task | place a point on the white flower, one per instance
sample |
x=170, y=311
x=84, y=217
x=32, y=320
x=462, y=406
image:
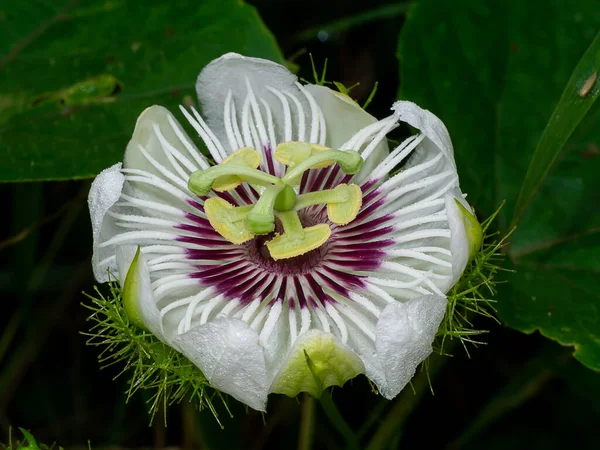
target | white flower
x=364, y=293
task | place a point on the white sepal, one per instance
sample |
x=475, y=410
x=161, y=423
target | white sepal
x=229, y=355
x=404, y=334
x=104, y=193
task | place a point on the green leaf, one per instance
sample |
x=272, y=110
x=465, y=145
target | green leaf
x=76, y=74
x=494, y=72
x=579, y=95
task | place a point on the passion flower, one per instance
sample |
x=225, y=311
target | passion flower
x=293, y=260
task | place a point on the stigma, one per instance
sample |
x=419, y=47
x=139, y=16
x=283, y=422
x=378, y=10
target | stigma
x=278, y=201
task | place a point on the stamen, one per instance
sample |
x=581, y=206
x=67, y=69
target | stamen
x=296, y=240
x=227, y=220
x=245, y=157
x=349, y=161
x=343, y=202
x=201, y=181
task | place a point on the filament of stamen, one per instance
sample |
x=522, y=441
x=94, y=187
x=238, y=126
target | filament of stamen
x=349, y=161
x=201, y=181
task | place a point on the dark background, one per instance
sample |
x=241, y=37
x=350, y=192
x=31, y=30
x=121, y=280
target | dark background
x=516, y=391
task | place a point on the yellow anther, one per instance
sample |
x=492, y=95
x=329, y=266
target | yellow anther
x=290, y=245
x=295, y=240
x=244, y=156
x=227, y=220
x=342, y=213
x=292, y=153
x=318, y=149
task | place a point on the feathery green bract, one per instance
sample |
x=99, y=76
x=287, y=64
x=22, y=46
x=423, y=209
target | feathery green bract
x=152, y=363
x=472, y=295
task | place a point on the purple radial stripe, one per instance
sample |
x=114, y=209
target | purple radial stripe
x=346, y=179
x=366, y=246
x=228, y=198
x=315, y=182
x=197, y=205
x=318, y=290
x=326, y=278
x=356, y=263
x=198, y=220
x=334, y=276
x=362, y=227
x=205, y=242
x=299, y=293
x=199, y=230
x=281, y=293
x=218, y=271
x=268, y=289
x=312, y=303
x=243, y=287
x=358, y=254
x=331, y=177
x=304, y=181
x=366, y=236
x=269, y=158
x=233, y=282
x=368, y=184
x=370, y=196
x=368, y=210
x=211, y=255
x=243, y=194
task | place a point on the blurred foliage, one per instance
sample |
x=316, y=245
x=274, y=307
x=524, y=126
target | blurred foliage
x=76, y=74
x=510, y=63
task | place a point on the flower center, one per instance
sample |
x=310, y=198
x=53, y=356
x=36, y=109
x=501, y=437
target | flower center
x=259, y=253
x=239, y=224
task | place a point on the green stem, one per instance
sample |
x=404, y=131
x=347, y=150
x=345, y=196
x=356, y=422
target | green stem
x=201, y=181
x=291, y=223
x=349, y=160
x=335, y=417
x=307, y=424
x=405, y=403
x=321, y=198
x=261, y=219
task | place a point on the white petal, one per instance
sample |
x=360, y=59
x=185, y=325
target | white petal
x=104, y=193
x=344, y=118
x=429, y=124
x=405, y=332
x=161, y=147
x=229, y=355
x=234, y=73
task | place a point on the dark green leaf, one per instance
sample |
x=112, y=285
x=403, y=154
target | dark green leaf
x=494, y=72
x=579, y=95
x=76, y=76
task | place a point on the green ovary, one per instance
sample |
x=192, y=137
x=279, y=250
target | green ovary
x=316, y=362
x=278, y=198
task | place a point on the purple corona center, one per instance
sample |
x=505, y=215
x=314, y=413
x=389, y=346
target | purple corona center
x=247, y=272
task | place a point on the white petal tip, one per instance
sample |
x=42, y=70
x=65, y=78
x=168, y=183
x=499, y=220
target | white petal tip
x=229, y=355
x=104, y=193
x=405, y=332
